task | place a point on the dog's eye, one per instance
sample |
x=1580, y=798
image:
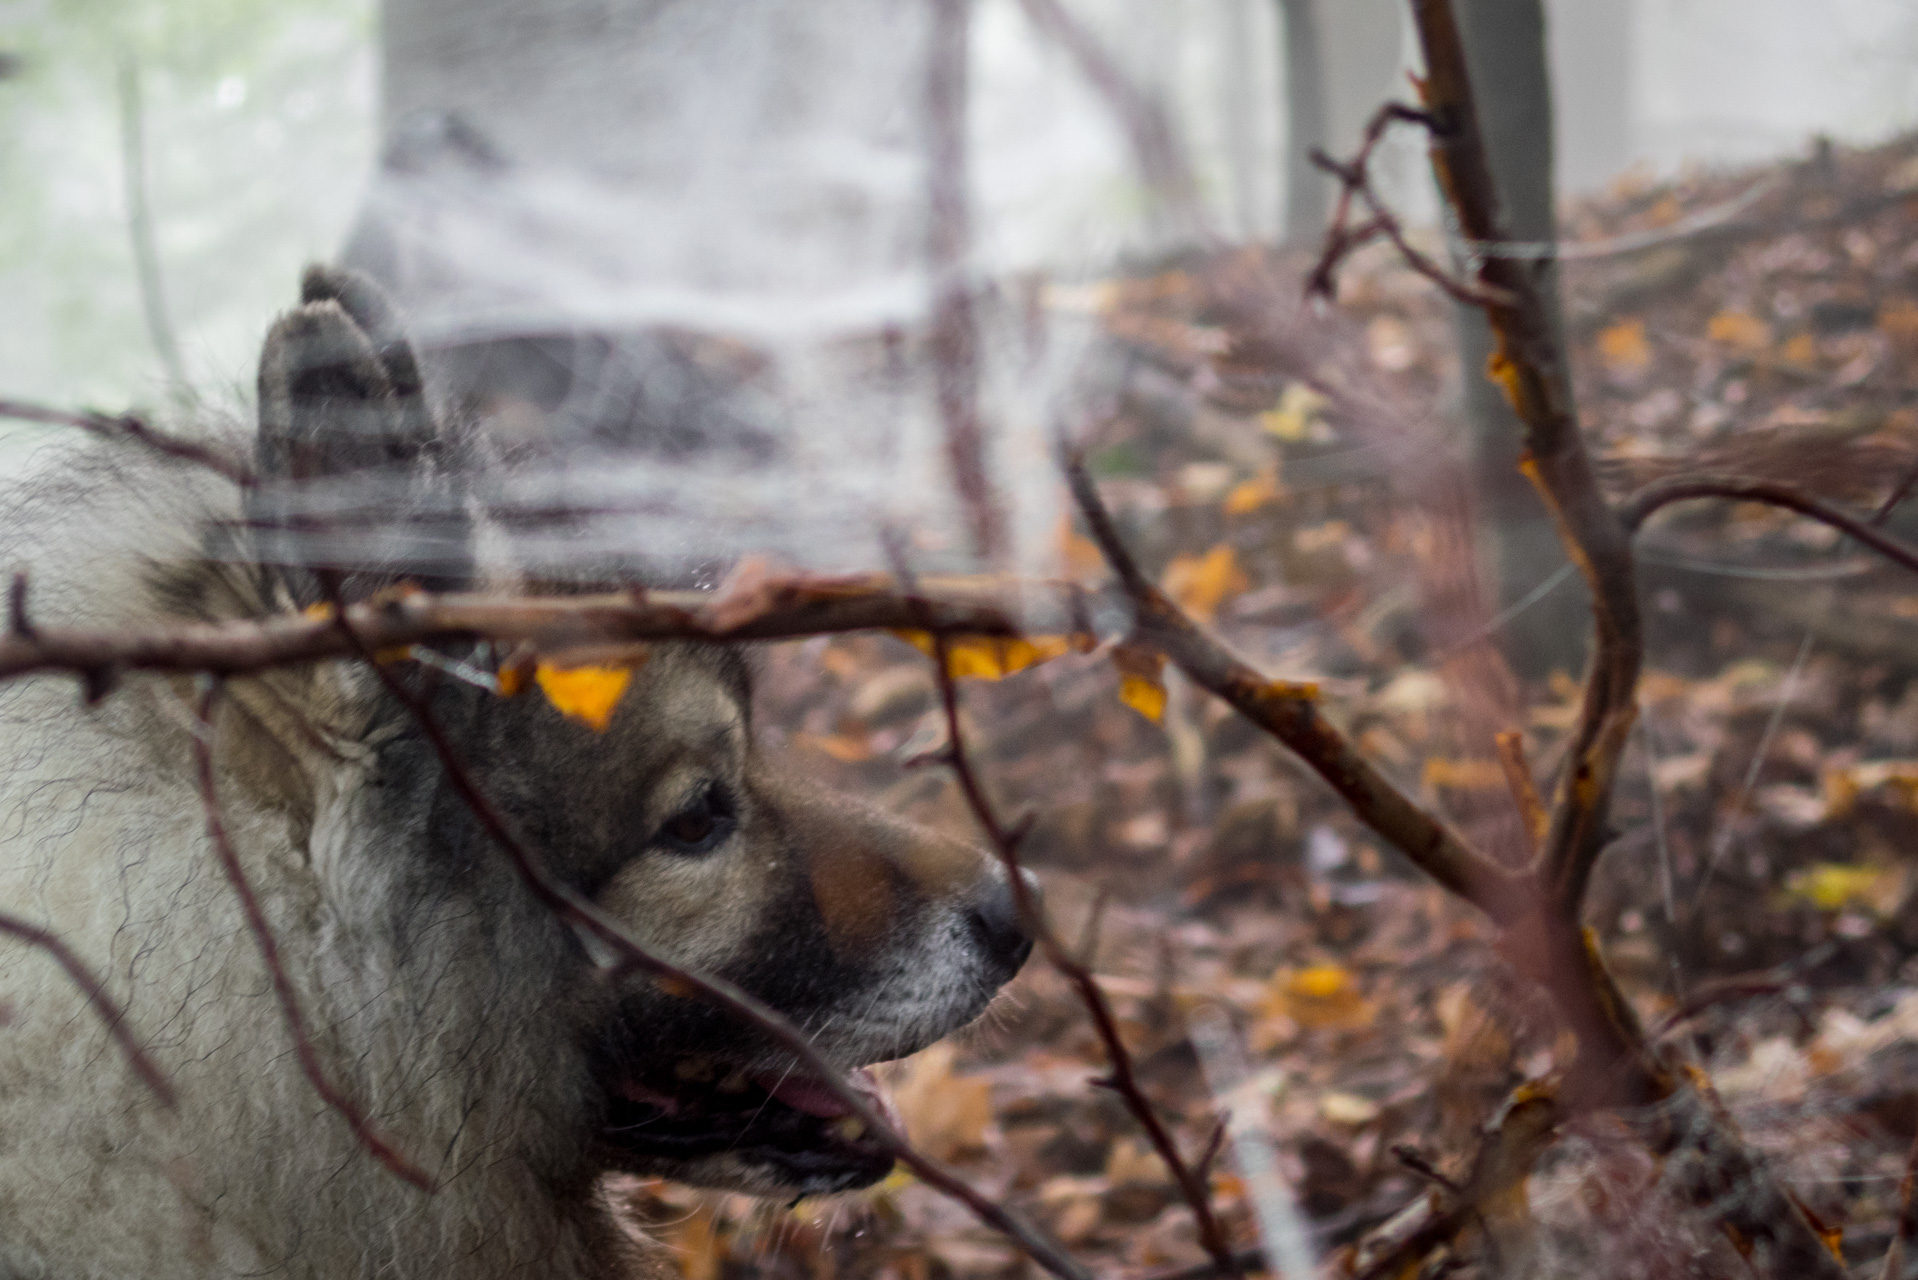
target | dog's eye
x=701, y=824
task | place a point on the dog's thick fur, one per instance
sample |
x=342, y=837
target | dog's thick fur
x=468, y=1021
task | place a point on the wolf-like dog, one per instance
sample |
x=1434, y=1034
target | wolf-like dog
x=470, y=1023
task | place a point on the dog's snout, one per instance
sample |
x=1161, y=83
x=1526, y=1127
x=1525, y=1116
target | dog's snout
x=997, y=924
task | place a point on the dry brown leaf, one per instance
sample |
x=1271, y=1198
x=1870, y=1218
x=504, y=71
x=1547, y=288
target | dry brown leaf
x=1202, y=583
x=1622, y=347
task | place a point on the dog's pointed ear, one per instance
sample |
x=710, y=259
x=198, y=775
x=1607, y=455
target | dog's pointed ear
x=356, y=476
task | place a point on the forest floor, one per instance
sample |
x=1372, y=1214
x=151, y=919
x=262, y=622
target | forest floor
x=1754, y=902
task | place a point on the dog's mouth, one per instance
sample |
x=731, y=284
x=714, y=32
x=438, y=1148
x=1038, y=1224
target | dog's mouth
x=781, y=1132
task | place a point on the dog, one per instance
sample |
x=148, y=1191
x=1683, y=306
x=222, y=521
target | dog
x=471, y=1025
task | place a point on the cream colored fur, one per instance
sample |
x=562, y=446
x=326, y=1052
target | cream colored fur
x=102, y=837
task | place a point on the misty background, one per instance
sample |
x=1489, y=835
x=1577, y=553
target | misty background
x=257, y=125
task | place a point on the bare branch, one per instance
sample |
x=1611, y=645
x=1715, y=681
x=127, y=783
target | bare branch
x=376, y=1143
x=1290, y=713
x=1638, y=508
x=769, y=609
x=109, y=1010
x=1123, y=1079
x=131, y=426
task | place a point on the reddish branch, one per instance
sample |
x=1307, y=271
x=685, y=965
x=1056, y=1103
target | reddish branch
x=762, y=610
x=1343, y=238
x=376, y=1143
x=1123, y=1078
x=1638, y=508
x=955, y=322
x=587, y=920
x=131, y=426
x=104, y=1005
x=1291, y=713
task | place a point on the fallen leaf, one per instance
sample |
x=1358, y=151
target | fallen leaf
x=1465, y=775
x=1898, y=320
x=1833, y=886
x=993, y=657
x=1141, y=680
x=847, y=748
x=1622, y=347
x=699, y=1246
x=1296, y=413
x=946, y=1114
x=1249, y=495
x=587, y=694
x=1348, y=1109
x=1323, y=996
x=1079, y=554
x=1202, y=583
x=1389, y=342
x=1131, y=1162
x=1739, y=329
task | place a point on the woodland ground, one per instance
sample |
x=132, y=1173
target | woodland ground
x=1755, y=901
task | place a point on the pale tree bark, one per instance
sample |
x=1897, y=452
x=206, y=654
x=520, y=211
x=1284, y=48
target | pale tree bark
x=1308, y=191
x=1505, y=44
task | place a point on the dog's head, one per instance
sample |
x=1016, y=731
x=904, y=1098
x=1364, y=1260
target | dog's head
x=873, y=935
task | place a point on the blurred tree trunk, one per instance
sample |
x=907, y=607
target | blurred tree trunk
x=1505, y=43
x=1307, y=189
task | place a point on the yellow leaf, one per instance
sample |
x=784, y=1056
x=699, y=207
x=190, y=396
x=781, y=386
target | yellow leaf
x=587, y=694
x=1324, y=996
x=1291, y=420
x=1623, y=348
x=1202, y=583
x=318, y=611
x=991, y=657
x=1349, y=1109
x=1898, y=320
x=1141, y=680
x=946, y=1114
x=1833, y=886
x=1801, y=350
x=700, y=1246
x=1080, y=554
x=1248, y=496
x=1465, y=775
x=1739, y=329
x=1500, y=369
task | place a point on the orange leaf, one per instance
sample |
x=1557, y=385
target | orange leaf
x=1080, y=554
x=1898, y=320
x=1739, y=329
x=847, y=748
x=1465, y=775
x=1202, y=583
x=587, y=694
x=1141, y=680
x=1623, y=348
x=1501, y=370
x=318, y=611
x=1250, y=495
x=991, y=657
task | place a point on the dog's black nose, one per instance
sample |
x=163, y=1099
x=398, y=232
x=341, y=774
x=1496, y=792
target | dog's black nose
x=996, y=923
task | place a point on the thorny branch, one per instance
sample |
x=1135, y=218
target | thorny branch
x=1123, y=1078
x=377, y=1144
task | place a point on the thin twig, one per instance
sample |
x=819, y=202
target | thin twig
x=1638, y=508
x=1122, y=1078
x=376, y=1143
x=1290, y=713
x=146, y=254
x=772, y=609
x=586, y=918
x=131, y=426
x=1907, y=1227
x=104, y=1005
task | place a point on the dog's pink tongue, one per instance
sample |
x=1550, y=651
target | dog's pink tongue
x=816, y=1097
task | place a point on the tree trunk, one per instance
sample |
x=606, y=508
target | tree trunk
x=1307, y=189
x=1505, y=46
x=1591, y=47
